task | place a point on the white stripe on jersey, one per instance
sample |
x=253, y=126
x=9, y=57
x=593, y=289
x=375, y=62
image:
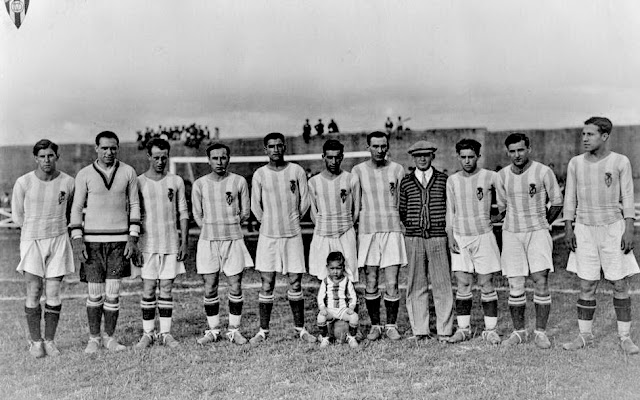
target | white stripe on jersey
x=469, y=202
x=279, y=199
x=219, y=207
x=525, y=197
x=337, y=295
x=599, y=193
x=379, y=197
x=163, y=203
x=332, y=203
x=39, y=207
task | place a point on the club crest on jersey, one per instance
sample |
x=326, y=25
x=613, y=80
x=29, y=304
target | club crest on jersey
x=343, y=195
x=292, y=185
x=229, y=198
x=17, y=10
x=608, y=179
x=479, y=193
x=170, y=195
x=62, y=196
x=392, y=188
x=532, y=189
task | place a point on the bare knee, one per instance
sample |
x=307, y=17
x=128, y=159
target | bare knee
x=371, y=274
x=541, y=283
x=516, y=285
x=486, y=283
x=295, y=282
x=621, y=289
x=464, y=281
x=166, y=286
x=34, y=290
x=148, y=288
x=52, y=290
x=268, y=282
x=235, y=285
x=210, y=285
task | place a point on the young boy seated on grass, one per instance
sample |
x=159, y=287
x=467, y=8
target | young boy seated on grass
x=337, y=300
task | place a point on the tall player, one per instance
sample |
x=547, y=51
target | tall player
x=335, y=196
x=381, y=242
x=599, y=197
x=523, y=190
x=40, y=207
x=220, y=202
x=163, y=204
x=108, y=239
x=279, y=198
x=472, y=243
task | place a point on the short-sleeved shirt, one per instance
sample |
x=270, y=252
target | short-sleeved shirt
x=40, y=207
x=279, y=199
x=601, y=192
x=163, y=203
x=379, y=197
x=219, y=207
x=469, y=202
x=525, y=197
x=333, y=202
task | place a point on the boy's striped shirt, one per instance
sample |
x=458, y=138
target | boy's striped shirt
x=112, y=203
x=219, y=207
x=333, y=203
x=279, y=199
x=39, y=207
x=163, y=204
x=379, y=197
x=469, y=202
x=525, y=197
x=337, y=295
x=599, y=193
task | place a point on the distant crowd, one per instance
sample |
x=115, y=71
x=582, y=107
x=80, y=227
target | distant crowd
x=192, y=135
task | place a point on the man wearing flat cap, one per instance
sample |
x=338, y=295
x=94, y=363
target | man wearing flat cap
x=423, y=212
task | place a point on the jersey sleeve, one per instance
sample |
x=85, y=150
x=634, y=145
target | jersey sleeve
x=356, y=194
x=304, y=192
x=553, y=188
x=353, y=297
x=402, y=205
x=313, y=205
x=322, y=295
x=451, y=205
x=245, y=202
x=196, y=202
x=79, y=200
x=183, y=210
x=256, y=196
x=17, y=203
x=501, y=192
x=570, y=192
x=134, y=204
x=626, y=189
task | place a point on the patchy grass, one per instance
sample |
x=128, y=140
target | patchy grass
x=285, y=368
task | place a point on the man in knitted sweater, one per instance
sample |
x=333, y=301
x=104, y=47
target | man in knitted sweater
x=423, y=213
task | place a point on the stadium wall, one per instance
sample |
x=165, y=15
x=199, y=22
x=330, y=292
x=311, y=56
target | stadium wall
x=555, y=146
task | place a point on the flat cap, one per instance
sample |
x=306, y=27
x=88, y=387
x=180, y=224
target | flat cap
x=422, y=146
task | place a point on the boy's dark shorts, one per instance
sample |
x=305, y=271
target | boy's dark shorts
x=105, y=261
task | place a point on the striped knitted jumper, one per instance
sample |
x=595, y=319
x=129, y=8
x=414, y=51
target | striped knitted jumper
x=423, y=210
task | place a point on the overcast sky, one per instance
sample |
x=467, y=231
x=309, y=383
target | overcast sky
x=76, y=67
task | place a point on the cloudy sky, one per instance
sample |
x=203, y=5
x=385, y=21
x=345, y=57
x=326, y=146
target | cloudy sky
x=77, y=67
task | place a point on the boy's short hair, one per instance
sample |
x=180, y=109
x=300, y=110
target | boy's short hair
x=107, y=135
x=516, y=138
x=377, y=134
x=336, y=256
x=604, y=124
x=332, y=145
x=217, y=146
x=159, y=143
x=273, y=136
x=468, y=144
x=44, y=144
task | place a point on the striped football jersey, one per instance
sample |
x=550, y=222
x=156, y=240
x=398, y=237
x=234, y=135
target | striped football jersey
x=599, y=193
x=469, y=202
x=337, y=295
x=525, y=197
x=333, y=203
x=219, y=207
x=39, y=207
x=379, y=197
x=162, y=204
x=279, y=199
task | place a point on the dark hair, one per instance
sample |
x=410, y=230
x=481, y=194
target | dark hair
x=468, y=144
x=273, y=136
x=107, y=135
x=159, y=143
x=516, y=138
x=217, y=146
x=335, y=256
x=44, y=144
x=332, y=144
x=376, y=134
x=604, y=124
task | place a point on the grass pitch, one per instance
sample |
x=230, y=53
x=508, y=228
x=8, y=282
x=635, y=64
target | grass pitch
x=285, y=368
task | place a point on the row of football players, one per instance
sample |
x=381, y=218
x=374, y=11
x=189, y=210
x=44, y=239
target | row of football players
x=402, y=220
